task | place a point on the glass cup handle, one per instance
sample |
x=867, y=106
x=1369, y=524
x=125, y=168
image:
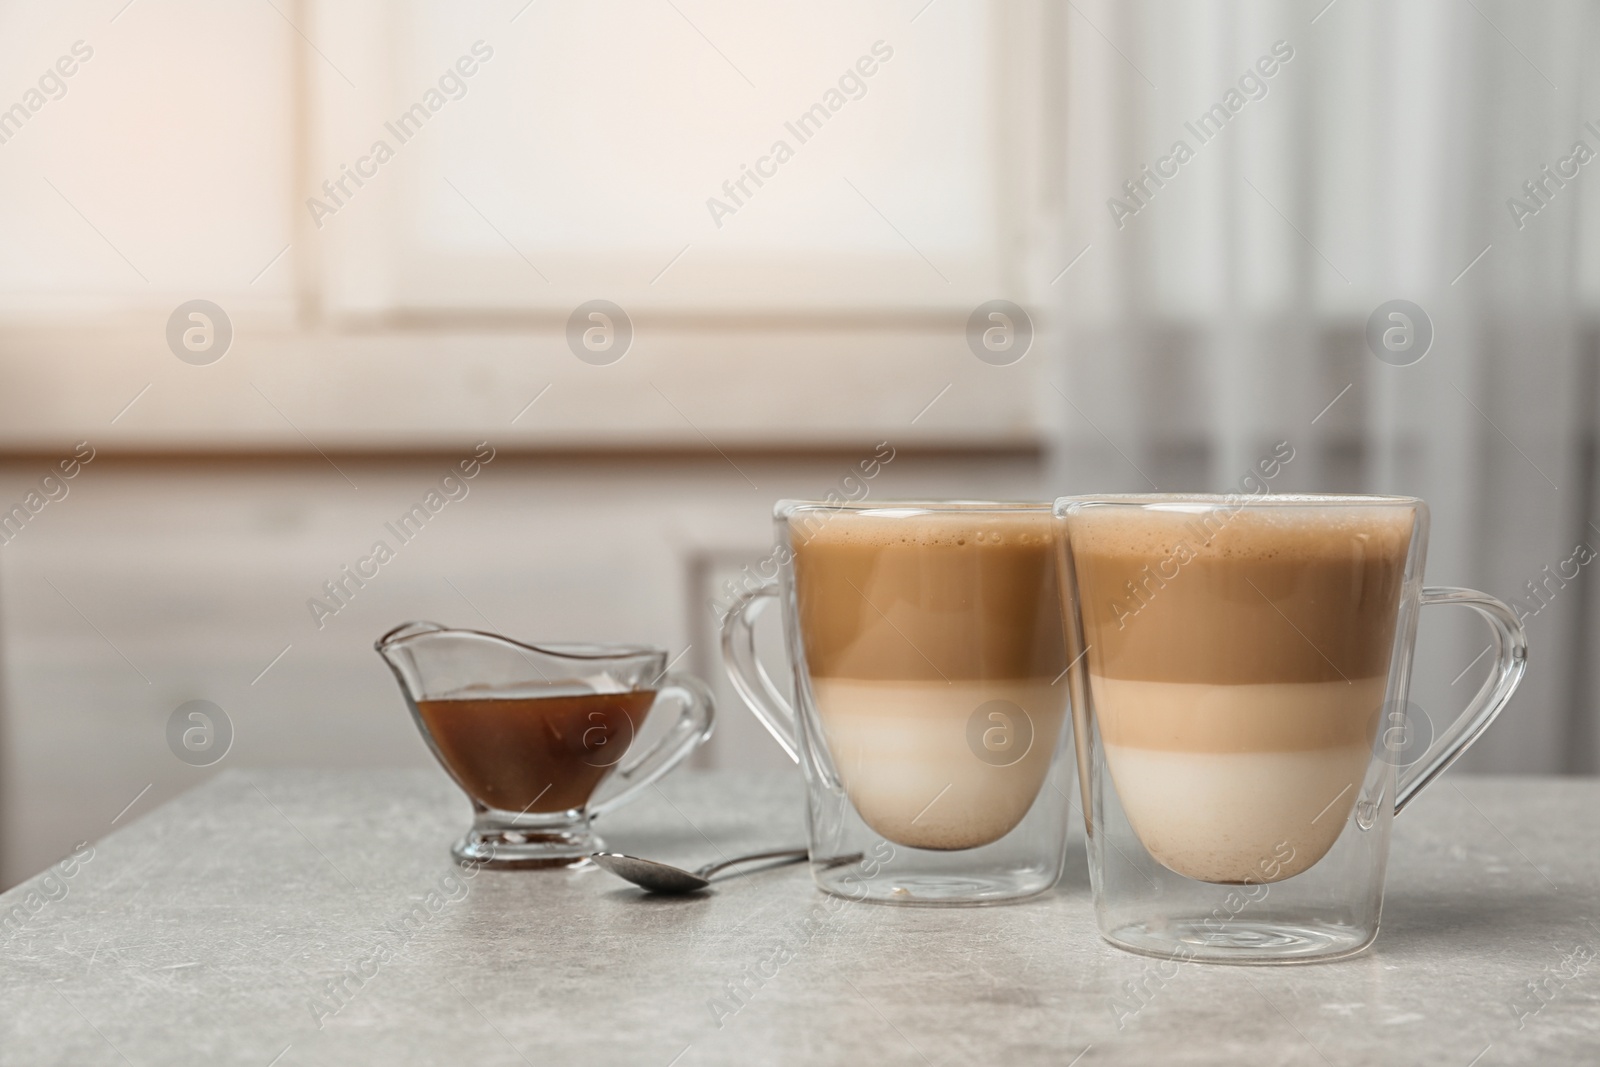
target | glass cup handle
x=1510, y=661
x=692, y=728
x=749, y=676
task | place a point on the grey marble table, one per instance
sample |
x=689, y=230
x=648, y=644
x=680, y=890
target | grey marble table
x=295, y=918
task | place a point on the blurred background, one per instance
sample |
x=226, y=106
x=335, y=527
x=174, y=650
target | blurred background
x=395, y=218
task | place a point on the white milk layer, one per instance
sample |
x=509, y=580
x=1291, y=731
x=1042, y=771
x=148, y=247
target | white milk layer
x=1239, y=816
x=908, y=754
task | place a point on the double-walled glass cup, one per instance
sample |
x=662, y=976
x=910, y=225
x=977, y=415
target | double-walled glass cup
x=1240, y=703
x=537, y=735
x=931, y=713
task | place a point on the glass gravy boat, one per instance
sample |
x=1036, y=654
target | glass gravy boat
x=536, y=735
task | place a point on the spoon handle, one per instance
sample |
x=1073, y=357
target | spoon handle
x=787, y=855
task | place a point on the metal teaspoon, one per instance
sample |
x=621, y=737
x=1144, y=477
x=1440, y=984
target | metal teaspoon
x=659, y=877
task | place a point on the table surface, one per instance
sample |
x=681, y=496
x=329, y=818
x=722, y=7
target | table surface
x=263, y=919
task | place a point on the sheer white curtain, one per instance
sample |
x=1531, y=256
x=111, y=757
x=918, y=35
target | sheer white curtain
x=1351, y=154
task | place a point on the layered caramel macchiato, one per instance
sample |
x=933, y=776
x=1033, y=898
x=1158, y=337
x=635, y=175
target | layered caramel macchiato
x=1237, y=662
x=915, y=625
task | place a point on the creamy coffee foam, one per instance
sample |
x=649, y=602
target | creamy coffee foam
x=913, y=623
x=1237, y=666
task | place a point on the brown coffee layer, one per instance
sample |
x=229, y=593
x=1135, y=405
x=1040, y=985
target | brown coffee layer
x=941, y=596
x=1263, y=594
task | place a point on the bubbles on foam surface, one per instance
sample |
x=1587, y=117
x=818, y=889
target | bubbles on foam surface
x=1030, y=525
x=1288, y=530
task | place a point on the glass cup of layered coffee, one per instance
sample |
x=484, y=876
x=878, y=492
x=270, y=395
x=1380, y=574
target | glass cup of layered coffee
x=1241, y=666
x=930, y=699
